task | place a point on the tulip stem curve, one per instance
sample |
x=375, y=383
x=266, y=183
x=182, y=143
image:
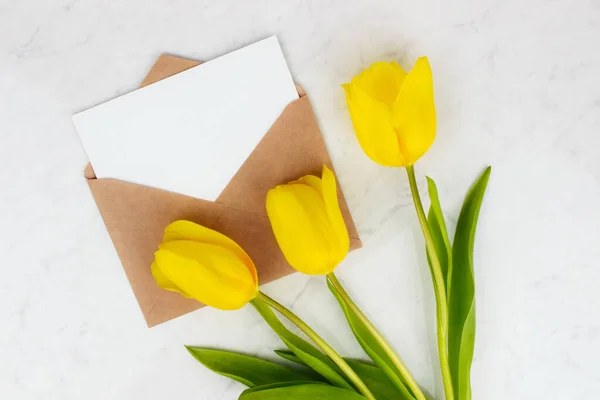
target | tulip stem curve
x=322, y=344
x=408, y=378
x=438, y=284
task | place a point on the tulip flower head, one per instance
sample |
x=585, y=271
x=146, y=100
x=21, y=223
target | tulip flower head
x=308, y=223
x=393, y=112
x=203, y=264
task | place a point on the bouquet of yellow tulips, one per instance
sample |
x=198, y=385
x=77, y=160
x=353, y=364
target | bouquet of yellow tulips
x=393, y=114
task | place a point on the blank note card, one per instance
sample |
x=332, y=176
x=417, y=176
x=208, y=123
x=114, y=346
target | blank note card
x=191, y=132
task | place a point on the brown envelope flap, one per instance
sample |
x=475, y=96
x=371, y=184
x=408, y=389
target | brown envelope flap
x=135, y=215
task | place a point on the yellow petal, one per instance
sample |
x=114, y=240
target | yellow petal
x=373, y=125
x=302, y=228
x=327, y=188
x=381, y=81
x=335, y=214
x=414, y=112
x=164, y=282
x=209, y=273
x=186, y=230
x=312, y=181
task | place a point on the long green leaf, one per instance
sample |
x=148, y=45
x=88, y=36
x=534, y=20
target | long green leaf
x=250, y=371
x=312, y=356
x=371, y=346
x=461, y=310
x=279, y=385
x=439, y=233
x=377, y=382
x=309, y=391
x=290, y=356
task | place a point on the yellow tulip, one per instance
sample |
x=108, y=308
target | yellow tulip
x=203, y=264
x=393, y=112
x=308, y=224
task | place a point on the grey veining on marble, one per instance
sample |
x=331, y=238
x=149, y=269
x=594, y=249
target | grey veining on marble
x=517, y=86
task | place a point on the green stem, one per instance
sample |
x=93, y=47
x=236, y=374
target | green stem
x=439, y=287
x=322, y=344
x=410, y=381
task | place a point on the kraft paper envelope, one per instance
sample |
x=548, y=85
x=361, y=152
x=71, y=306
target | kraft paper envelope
x=136, y=215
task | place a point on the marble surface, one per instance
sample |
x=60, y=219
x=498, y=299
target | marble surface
x=517, y=87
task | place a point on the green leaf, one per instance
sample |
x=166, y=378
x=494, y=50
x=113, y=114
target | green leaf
x=279, y=385
x=439, y=234
x=290, y=356
x=309, y=354
x=250, y=371
x=377, y=382
x=461, y=307
x=371, y=346
x=308, y=391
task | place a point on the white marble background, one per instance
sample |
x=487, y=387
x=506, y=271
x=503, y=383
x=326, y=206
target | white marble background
x=517, y=87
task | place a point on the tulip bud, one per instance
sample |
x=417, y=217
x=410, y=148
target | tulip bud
x=203, y=264
x=393, y=113
x=308, y=224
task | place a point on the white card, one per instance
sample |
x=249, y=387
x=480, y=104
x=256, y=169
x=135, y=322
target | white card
x=190, y=133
